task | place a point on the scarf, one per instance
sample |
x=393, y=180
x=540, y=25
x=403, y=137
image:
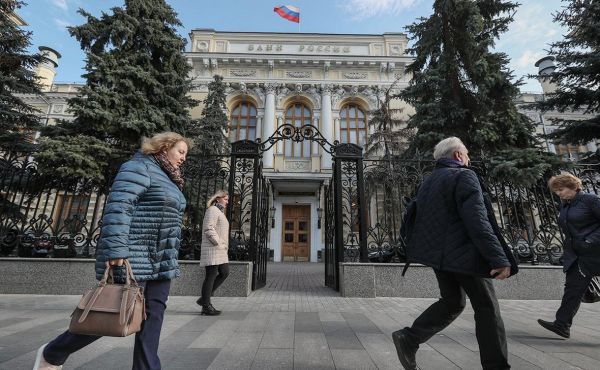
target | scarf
x=171, y=171
x=220, y=206
x=450, y=162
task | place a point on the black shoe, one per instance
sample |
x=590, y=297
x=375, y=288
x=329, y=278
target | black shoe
x=199, y=302
x=406, y=351
x=209, y=310
x=563, y=332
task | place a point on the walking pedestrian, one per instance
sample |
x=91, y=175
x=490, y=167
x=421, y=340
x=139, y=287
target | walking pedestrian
x=579, y=220
x=214, y=249
x=141, y=223
x=454, y=234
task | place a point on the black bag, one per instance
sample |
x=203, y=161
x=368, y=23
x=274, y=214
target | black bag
x=592, y=294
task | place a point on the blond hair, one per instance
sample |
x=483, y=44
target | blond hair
x=564, y=180
x=163, y=142
x=219, y=194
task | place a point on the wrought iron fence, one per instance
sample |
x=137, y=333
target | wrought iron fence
x=527, y=216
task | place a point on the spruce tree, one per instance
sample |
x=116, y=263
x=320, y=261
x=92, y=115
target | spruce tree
x=136, y=85
x=389, y=135
x=578, y=72
x=462, y=88
x=208, y=135
x=18, y=120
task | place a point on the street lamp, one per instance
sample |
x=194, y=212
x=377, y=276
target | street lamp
x=272, y=210
x=319, y=216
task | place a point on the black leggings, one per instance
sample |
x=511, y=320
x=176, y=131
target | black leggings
x=215, y=276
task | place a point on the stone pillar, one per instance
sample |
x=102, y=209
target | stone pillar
x=337, y=128
x=281, y=143
x=326, y=123
x=269, y=122
x=259, y=133
x=314, y=146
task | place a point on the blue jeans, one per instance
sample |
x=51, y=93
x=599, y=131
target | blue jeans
x=145, y=350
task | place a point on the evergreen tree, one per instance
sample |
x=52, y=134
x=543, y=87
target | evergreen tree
x=136, y=85
x=18, y=120
x=578, y=72
x=461, y=88
x=208, y=133
x=390, y=136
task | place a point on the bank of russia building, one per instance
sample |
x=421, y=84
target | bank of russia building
x=330, y=81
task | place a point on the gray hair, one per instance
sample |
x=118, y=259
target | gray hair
x=447, y=147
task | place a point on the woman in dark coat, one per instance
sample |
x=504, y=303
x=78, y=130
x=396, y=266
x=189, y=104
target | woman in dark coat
x=579, y=220
x=141, y=223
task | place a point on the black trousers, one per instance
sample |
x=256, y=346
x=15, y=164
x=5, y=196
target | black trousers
x=489, y=327
x=575, y=286
x=145, y=350
x=215, y=276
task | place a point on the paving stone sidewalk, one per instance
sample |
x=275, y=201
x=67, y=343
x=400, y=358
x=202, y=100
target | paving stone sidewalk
x=296, y=323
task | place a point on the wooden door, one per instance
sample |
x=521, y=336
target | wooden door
x=296, y=233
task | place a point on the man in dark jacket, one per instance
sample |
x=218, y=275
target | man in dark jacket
x=453, y=234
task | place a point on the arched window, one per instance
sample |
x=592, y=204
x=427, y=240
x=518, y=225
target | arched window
x=353, y=125
x=298, y=114
x=243, y=122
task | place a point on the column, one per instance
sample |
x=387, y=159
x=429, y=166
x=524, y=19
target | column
x=314, y=146
x=337, y=129
x=259, y=132
x=281, y=143
x=269, y=122
x=326, y=123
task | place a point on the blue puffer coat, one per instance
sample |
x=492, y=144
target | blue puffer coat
x=142, y=221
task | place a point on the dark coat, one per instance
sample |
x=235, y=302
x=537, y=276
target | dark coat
x=142, y=221
x=579, y=219
x=452, y=229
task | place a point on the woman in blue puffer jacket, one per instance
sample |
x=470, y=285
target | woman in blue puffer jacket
x=141, y=223
x=579, y=219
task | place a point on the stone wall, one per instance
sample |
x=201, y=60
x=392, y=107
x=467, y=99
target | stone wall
x=370, y=280
x=74, y=276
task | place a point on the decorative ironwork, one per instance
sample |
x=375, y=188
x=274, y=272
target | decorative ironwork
x=297, y=134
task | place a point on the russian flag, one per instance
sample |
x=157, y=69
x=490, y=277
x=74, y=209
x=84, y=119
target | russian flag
x=291, y=13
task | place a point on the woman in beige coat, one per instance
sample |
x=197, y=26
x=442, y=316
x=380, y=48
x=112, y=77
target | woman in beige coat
x=215, y=242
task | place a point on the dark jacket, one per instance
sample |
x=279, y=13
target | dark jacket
x=579, y=219
x=452, y=229
x=142, y=221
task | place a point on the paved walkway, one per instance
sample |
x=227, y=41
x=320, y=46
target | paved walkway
x=296, y=323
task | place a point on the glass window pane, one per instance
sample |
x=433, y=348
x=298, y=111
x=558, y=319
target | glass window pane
x=302, y=225
x=352, y=112
x=298, y=110
x=252, y=122
x=344, y=136
x=306, y=112
x=352, y=123
x=288, y=121
x=361, y=138
x=242, y=134
x=344, y=113
x=251, y=134
x=307, y=121
x=361, y=124
x=236, y=111
x=302, y=238
x=343, y=123
x=244, y=111
x=360, y=114
x=252, y=110
x=289, y=225
x=289, y=238
x=290, y=112
x=306, y=145
x=243, y=122
x=298, y=123
x=288, y=149
x=353, y=137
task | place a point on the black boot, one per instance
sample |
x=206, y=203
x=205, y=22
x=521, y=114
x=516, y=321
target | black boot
x=209, y=310
x=406, y=351
x=557, y=329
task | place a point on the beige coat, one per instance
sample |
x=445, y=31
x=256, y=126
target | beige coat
x=215, y=238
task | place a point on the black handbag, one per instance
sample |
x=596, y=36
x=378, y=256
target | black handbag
x=592, y=294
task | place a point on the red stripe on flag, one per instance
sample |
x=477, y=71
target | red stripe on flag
x=285, y=15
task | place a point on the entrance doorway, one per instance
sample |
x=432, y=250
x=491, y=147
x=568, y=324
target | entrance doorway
x=295, y=239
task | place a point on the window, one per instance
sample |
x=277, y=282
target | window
x=353, y=125
x=243, y=122
x=70, y=212
x=297, y=114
